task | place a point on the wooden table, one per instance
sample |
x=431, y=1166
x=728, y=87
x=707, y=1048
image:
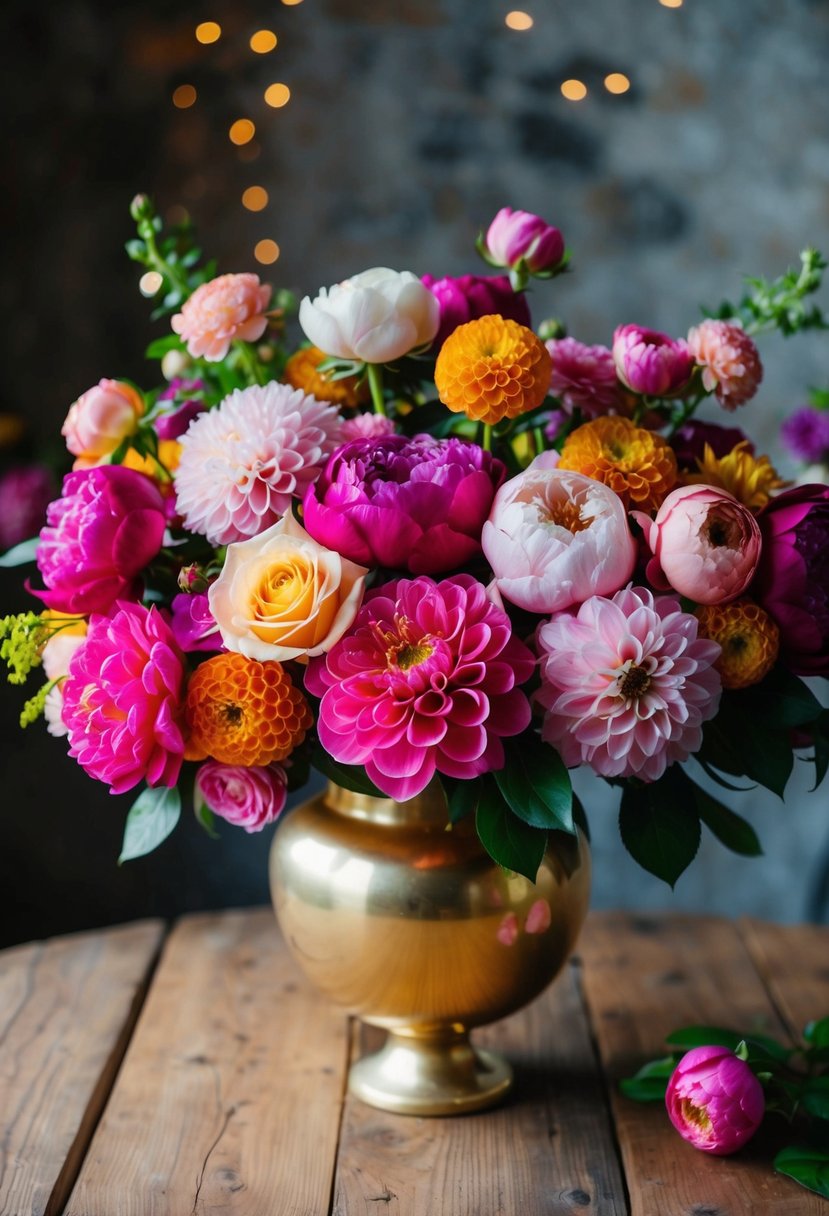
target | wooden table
x=193, y=1070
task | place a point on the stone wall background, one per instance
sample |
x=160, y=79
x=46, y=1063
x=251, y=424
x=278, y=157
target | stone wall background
x=410, y=123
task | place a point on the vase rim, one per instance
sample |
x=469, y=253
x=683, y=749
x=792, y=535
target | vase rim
x=429, y=807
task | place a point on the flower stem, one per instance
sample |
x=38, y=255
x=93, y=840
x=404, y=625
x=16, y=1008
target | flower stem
x=486, y=440
x=159, y=263
x=249, y=363
x=375, y=384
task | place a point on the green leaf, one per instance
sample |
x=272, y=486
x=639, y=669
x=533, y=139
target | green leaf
x=205, y=818
x=535, y=784
x=738, y=742
x=462, y=797
x=815, y=1097
x=808, y=1166
x=20, y=555
x=349, y=776
x=659, y=825
x=817, y=1033
x=508, y=840
x=580, y=817
x=780, y=701
x=730, y=828
x=820, y=739
x=760, y=1046
x=150, y=821
x=650, y=1082
x=159, y=348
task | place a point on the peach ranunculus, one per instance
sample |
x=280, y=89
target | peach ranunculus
x=100, y=420
x=218, y=312
x=282, y=596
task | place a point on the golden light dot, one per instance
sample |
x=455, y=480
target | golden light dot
x=291, y=3
x=266, y=251
x=616, y=82
x=242, y=131
x=518, y=20
x=671, y=3
x=208, y=31
x=150, y=283
x=184, y=96
x=255, y=198
x=277, y=95
x=263, y=41
x=574, y=90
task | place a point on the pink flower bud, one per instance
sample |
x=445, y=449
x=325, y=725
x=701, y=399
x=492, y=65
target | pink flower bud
x=519, y=236
x=651, y=362
x=100, y=419
x=714, y=1100
x=249, y=798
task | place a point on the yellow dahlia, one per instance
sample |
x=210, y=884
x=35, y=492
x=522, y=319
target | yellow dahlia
x=302, y=371
x=635, y=463
x=492, y=368
x=749, y=478
x=749, y=638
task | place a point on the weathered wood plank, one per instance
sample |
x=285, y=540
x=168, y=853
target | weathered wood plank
x=548, y=1150
x=646, y=976
x=230, y=1095
x=67, y=1007
x=794, y=963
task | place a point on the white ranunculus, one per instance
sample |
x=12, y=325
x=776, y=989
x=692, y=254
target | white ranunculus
x=374, y=317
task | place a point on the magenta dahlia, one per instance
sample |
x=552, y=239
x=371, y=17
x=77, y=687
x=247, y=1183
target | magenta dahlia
x=426, y=680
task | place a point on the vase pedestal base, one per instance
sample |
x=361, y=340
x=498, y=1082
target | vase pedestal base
x=430, y=1074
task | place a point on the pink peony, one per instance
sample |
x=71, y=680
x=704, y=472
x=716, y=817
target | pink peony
x=714, y=1100
x=554, y=538
x=705, y=543
x=627, y=684
x=425, y=680
x=25, y=493
x=243, y=462
x=193, y=624
x=520, y=236
x=730, y=362
x=367, y=426
x=472, y=296
x=650, y=362
x=123, y=700
x=249, y=798
x=105, y=528
x=228, y=308
x=100, y=420
x=584, y=378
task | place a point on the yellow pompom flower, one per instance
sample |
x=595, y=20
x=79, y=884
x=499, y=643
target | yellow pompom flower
x=750, y=479
x=749, y=638
x=492, y=368
x=637, y=464
x=302, y=371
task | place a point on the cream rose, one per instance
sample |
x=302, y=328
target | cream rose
x=282, y=596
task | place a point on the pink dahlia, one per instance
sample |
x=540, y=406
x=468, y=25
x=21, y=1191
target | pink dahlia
x=244, y=461
x=584, y=378
x=714, y=1100
x=425, y=680
x=627, y=684
x=730, y=362
x=367, y=426
x=651, y=362
x=123, y=700
x=248, y=797
x=229, y=307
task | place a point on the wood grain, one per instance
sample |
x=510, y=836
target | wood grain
x=67, y=1007
x=794, y=963
x=549, y=1150
x=230, y=1095
x=646, y=976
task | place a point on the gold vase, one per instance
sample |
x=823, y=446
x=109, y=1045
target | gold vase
x=412, y=927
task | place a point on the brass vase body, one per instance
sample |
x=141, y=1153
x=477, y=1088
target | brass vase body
x=413, y=927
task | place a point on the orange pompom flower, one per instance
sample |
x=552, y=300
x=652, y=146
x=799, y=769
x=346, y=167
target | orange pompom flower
x=749, y=478
x=240, y=711
x=492, y=368
x=302, y=371
x=635, y=463
x=749, y=638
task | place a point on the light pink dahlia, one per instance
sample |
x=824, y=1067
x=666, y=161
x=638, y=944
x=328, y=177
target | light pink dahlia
x=123, y=700
x=425, y=680
x=243, y=462
x=626, y=684
x=730, y=362
x=367, y=426
x=584, y=378
x=228, y=307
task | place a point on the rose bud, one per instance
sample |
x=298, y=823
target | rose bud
x=714, y=1100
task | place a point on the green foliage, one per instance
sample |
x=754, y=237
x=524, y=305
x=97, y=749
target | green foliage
x=782, y=303
x=660, y=824
x=535, y=784
x=349, y=776
x=650, y=1082
x=22, y=554
x=150, y=821
x=23, y=636
x=510, y=841
x=806, y=1165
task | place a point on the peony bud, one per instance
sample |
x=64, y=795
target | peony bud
x=714, y=1100
x=519, y=237
x=650, y=362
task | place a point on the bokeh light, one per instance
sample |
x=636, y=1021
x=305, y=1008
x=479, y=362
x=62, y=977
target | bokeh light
x=255, y=198
x=208, y=31
x=150, y=283
x=277, y=95
x=671, y=3
x=184, y=96
x=574, y=90
x=263, y=41
x=616, y=82
x=518, y=20
x=242, y=131
x=266, y=252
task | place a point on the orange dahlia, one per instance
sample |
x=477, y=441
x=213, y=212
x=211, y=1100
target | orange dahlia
x=749, y=638
x=240, y=711
x=749, y=478
x=302, y=371
x=492, y=368
x=635, y=463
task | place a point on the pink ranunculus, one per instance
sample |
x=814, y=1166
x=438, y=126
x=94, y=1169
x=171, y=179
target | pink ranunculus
x=367, y=426
x=425, y=680
x=100, y=420
x=704, y=542
x=249, y=798
x=405, y=504
x=626, y=684
x=792, y=582
x=472, y=296
x=554, y=538
x=730, y=361
x=221, y=311
x=584, y=378
x=714, y=1100
x=520, y=236
x=25, y=493
x=105, y=528
x=123, y=700
x=193, y=624
x=650, y=362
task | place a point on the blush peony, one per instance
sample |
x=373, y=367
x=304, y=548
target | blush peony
x=228, y=308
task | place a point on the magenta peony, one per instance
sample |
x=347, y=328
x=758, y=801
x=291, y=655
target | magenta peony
x=105, y=528
x=584, y=378
x=472, y=296
x=244, y=461
x=425, y=680
x=554, y=538
x=520, y=236
x=100, y=420
x=405, y=504
x=705, y=543
x=730, y=362
x=792, y=581
x=249, y=798
x=650, y=362
x=193, y=624
x=626, y=684
x=227, y=308
x=714, y=1100
x=123, y=700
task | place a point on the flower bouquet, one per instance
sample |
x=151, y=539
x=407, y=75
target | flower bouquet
x=427, y=542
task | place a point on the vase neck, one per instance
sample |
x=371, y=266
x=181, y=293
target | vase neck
x=428, y=808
